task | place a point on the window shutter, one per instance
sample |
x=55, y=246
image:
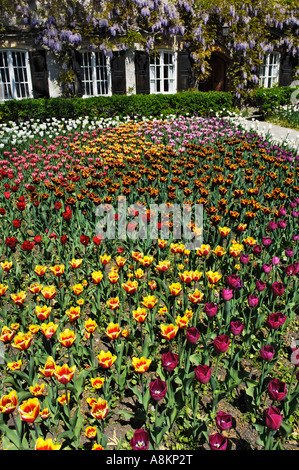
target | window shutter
x=285, y=70
x=118, y=73
x=76, y=63
x=39, y=73
x=142, y=73
x=184, y=79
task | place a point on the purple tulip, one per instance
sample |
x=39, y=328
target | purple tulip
x=256, y=250
x=223, y=420
x=192, y=334
x=140, y=440
x=211, y=309
x=203, y=373
x=227, y=294
x=275, y=320
x=234, y=282
x=289, y=253
x=272, y=225
x=282, y=224
x=236, y=327
x=260, y=285
x=169, y=361
x=275, y=260
x=244, y=258
x=221, y=343
x=267, y=352
x=267, y=268
x=277, y=389
x=217, y=441
x=266, y=241
x=278, y=288
x=273, y=418
x=158, y=389
x=253, y=301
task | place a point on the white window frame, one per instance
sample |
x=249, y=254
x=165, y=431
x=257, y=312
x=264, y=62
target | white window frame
x=269, y=73
x=12, y=74
x=159, y=81
x=93, y=80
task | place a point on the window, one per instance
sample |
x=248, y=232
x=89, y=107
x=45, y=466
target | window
x=269, y=74
x=162, y=73
x=95, y=69
x=15, y=77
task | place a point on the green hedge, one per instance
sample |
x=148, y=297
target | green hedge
x=266, y=99
x=117, y=105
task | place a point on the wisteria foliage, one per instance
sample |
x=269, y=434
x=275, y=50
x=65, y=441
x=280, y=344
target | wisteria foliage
x=255, y=28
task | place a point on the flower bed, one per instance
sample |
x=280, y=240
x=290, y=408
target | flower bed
x=138, y=342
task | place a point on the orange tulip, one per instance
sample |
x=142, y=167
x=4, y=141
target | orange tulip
x=57, y=270
x=162, y=243
x=47, y=444
x=113, y=303
x=250, y=241
x=113, y=330
x=48, y=292
x=29, y=410
x=45, y=413
x=169, y=331
x=219, y=251
x=106, y=359
x=64, y=373
x=6, y=266
x=100, y=409
x=40, y=270
x=204, y=250
x=175, y=289
x=38, y=389
x=49, y=368
x=163, y=265
x=241, y=227
x=224, y=231
x=146, y=260
x=33, y=328
x=22, y=341
x=120, y=261
x=213, y=277
x=90, y=325
x=91, y=432
x=14, y=365
x=8, y=403
x=130, y=286
x=7, y=334
x=136, y=255
x=76, y=263
x=67, y=337
x=139, y=273
x=49, y=329
x=235, y=249
x=78, y=289
x=73, y=313
x=182, y=322
x=140, y=314
x=43, y=312
x=19, y=298
x=3, y=289
x=113, y=277
x=195, y=297
x=149, y=301
x=105, y=259
x=186, y=276
x=97, y=382
x=97, y=276
x=141, y=364
x=64, y=399
x=97, y=447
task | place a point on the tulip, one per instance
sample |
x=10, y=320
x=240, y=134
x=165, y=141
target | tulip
x=64, y=373
x=97, y=276
x=91, y=432
x=149, y=301
x=73, y=313
x=163, y=266
x=211, y=309
x=217, y=441
x=278, y=289
x=7, y=334
x=22, y=341
x=273, y=418
x=277, y=389
x=140, y=440
x=78, y=289
x=227, y=294
x=57, y=270
x=97, y=382
x=49, y=329
x=175, y=289
x=76, y=263
x=221, y=343
x=224, y=231
x=67, y=338
x=169, y=331
x=29, y=410
x=47, y=444
x=158, y=389
x=260, y=285
x=48, y=292
x=195, y=297
x=130, y=286
x=8, y=403
x=113, y=330
x=275, y=320
x=113, y=303
x=106, y=359
x=169, y=361
x=141, y=364
x=223, y=421
x=49, y=368
x=19, y=298
x=253, y=301
x=100, y=409
x=203, y=373
x=43, y=312
x=267, y=352
x=213, y=277
x=236, y=327
x=140, y=314
x=192, y=335
x=182, y=322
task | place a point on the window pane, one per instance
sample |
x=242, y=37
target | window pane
x=5, y=87
x=20, y=74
